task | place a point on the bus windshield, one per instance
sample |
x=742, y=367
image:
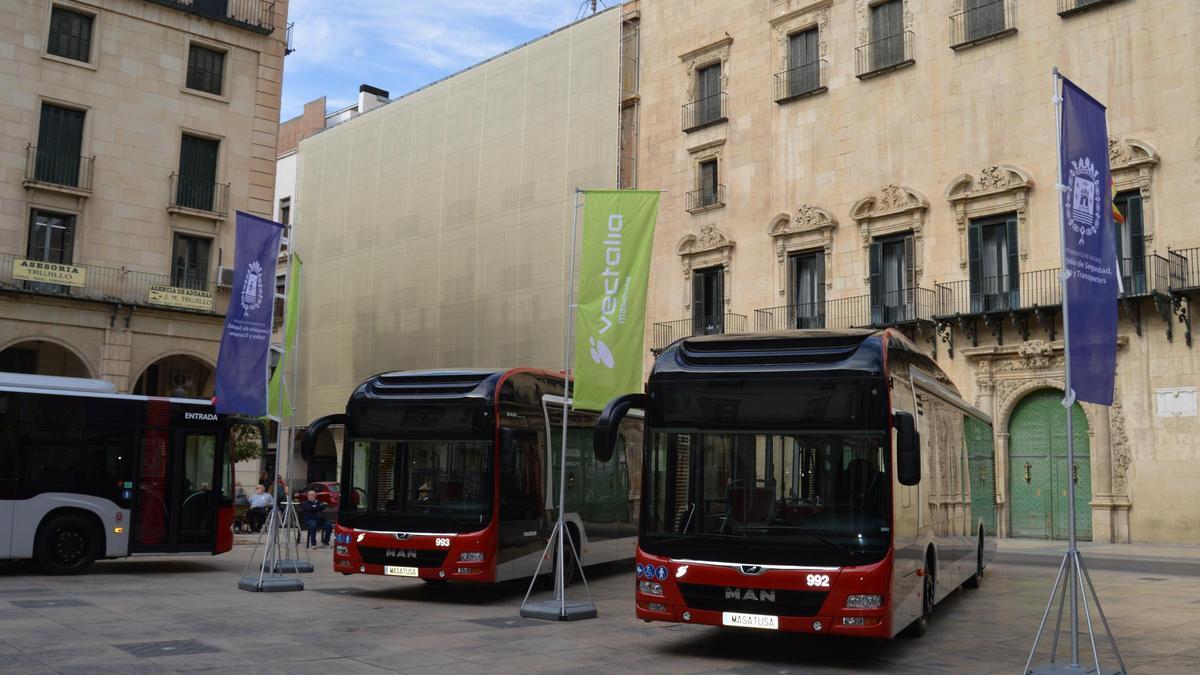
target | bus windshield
x=418, y=486
x=799, y=499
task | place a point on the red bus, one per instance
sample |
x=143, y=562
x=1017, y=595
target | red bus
x=87, y=473
x=451, y=475
x=808, y=481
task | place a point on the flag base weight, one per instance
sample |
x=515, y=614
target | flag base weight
x=293, y=566
x=270, y=572
x=270, y=584
x=553, y=610
x=1056, y=669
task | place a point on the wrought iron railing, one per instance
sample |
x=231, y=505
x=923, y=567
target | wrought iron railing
x=105, y=284
x=255, y=15
x=704, y=111
x=1184, y=268
x=983, y=22
x=666, y=332
x=200, y=195
x=888, y=308
x=1027, y=290
x=43, y=166
x=884, y=54
x=804, y=80
x=1067, y=7
x=1144, y=275
x=706, y=198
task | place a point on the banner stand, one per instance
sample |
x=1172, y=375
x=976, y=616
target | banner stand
x=1072, y=573
x=559, y=609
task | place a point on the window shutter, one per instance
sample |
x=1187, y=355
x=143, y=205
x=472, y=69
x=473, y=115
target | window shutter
x=910, y=279
x=718, y=308
x=697, y=303
x=197, y=172
x=1014, y=271
x=975, y=265
x=60, y=141
x=820, y=284
x=876, y=265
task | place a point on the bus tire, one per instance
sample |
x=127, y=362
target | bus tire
x=67, y=544
x=571, y=562
x=976, y=580
x=928, y=587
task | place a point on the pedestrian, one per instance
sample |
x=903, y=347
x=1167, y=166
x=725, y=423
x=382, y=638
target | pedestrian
x=260, y=505
x=240, y=498
x=313, y=512
x=281, y=491
x=264, y=480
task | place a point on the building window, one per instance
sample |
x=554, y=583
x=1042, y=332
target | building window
x=709, y=193
x=887, y=34
x=807, y=284
x=804, y=69
x=893, y=280
x=708, y=301
x=285, y=211
x=60, y=142
x=984, y=18
x=709, y=104
x=1131, y=244
x=190, y=269
x=51, y=239
x=70, y=34
x=205, y=69
x=992, y=254
x=197, y=173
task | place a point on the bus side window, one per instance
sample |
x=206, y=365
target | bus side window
x=521, y=478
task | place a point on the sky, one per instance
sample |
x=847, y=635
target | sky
x=401, y=45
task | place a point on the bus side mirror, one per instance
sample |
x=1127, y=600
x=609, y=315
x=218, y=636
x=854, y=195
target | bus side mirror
x=908, y=449
x=604, y=438
x=308, y=443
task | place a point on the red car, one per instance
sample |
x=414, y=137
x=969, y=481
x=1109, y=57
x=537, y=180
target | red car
x=327, y=491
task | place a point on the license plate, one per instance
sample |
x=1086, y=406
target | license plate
x=400, y=571
x=750, y=620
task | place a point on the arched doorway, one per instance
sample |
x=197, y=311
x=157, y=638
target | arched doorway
x=41, y=357
x=1038, y=471
x=179, y=376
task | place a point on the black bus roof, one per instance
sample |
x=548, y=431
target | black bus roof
x=478, y=384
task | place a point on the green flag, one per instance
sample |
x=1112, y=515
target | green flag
x=277, y=394
x=618, y=234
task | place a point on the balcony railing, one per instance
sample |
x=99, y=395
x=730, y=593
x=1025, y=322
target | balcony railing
x=884, y=55
x=255, y=15
x=1184, y=269
x=1027, y=290
x=667, y=332
x=890, y=308
x=706, y=198
x=801, y=81
x=116, y=285
x=983, y=22
x=1069, y=7
x=51, y=168
x=199, y=195
x=704, y=112
x=1144, y=276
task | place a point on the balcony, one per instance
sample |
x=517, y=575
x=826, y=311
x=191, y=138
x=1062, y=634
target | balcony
x=253, y=15
x=667, y=332
x=1184, y=281
x=893, y=308
x=884, y=55
x=1068, y=7
x=57, y=172
x=704, y=112
x=706, y=199
x=985, y=22
x=801, y=81
x=118, y=286
x=198, y=198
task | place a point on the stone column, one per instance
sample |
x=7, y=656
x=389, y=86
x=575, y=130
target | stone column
x=114, y=358
x=1101, y=461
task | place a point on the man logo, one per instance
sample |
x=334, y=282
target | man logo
x=401, y=553
x=760, y=595
x=601, y=353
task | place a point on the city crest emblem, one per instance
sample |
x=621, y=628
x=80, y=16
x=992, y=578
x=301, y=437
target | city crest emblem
x=252, y=288
x=1083, y=198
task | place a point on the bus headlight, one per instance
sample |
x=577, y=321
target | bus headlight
x=650, y=587
x=864, y=601
x=470, y=557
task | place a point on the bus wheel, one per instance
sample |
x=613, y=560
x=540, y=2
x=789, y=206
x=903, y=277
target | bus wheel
x=921, y=625
x=976, y=580
x=571, y=562
x=67, y=544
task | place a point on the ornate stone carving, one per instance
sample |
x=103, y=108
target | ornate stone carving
x=710, y=248
x=1038, y=354
x=895, y=210
x=999, y=189
x=810, y=228
x=705, y=56
x=1122, y=456
x=794, y=19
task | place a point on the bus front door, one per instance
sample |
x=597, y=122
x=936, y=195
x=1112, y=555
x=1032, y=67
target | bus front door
x=176, y=506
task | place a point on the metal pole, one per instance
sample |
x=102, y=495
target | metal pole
x=568, y=334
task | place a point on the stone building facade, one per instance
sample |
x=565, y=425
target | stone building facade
x=133, y=130
x=855, y=163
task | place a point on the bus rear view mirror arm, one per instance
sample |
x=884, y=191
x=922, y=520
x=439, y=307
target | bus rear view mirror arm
x=308, y=443
x=608, y=426
x=908, y=449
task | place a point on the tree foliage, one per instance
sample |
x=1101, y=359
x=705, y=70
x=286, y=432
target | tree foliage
x=247, y=442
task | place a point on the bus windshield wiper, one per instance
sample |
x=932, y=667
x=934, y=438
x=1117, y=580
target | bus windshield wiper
x=440, y=509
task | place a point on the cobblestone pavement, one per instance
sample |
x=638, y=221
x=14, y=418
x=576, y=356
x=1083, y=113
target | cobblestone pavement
x=175, y=614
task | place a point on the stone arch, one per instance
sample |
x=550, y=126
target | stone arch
x=198, y=383
x=88, y=369
x=1011, y=398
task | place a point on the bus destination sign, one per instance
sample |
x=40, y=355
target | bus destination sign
x=64, y=274
x=181, y=298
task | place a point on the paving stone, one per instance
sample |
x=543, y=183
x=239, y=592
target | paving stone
x=167, y=648
x=48, y=603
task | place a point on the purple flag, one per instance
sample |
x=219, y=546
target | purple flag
x=1089, y=251
x=244, y=361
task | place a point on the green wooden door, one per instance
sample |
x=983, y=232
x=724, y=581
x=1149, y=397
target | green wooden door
x=1038, y=471
x=981, y=472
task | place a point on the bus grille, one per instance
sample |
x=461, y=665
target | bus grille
x=786, y=603
x=372, y=555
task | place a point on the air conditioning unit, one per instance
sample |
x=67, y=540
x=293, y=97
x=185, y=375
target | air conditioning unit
x=224, y=277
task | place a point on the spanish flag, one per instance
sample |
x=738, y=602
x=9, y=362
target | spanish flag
x=1117, y=217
